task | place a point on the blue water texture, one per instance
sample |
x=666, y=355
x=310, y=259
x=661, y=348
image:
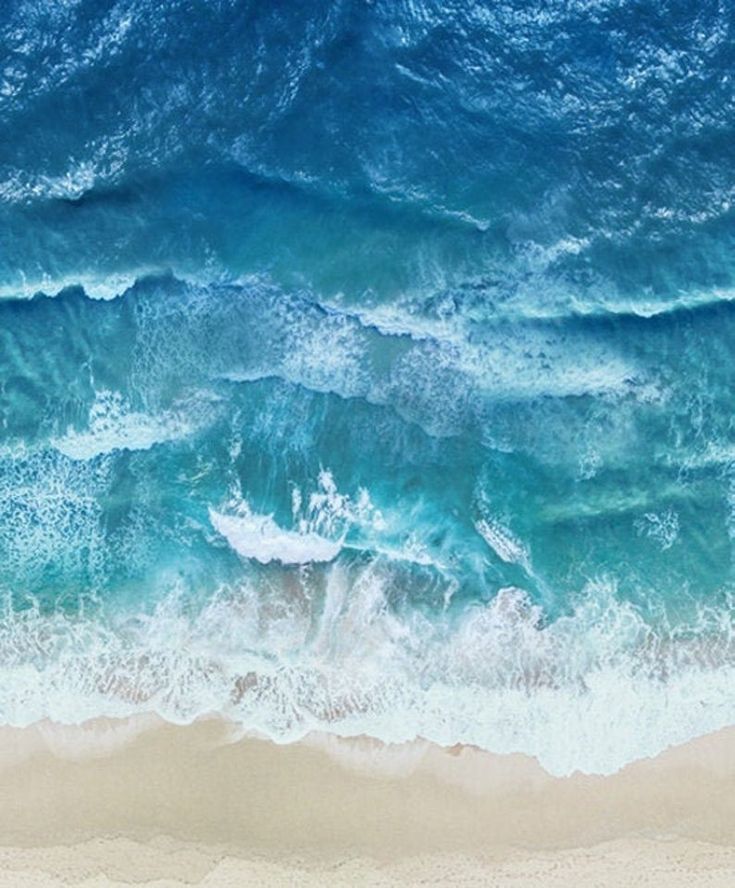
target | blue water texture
x=368, y=367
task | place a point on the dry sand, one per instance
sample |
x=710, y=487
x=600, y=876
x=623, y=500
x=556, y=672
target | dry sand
x=138, y=802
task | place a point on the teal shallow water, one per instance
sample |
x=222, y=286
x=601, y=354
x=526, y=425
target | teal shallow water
x=369, y=368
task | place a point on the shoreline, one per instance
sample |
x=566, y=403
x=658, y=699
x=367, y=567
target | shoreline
x=133, y=801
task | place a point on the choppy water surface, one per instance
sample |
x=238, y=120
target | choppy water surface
x=369, y=367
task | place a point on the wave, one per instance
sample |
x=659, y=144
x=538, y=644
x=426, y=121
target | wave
x=103, y=286
x=445, y=377
x=259, y=537
x=416, y=316
x=344, y=661
x=113, y=425
x=525, y=351
x=538, y=214
x=320, y=527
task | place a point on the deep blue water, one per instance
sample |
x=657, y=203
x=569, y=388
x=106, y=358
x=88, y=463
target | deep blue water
x=369, y=366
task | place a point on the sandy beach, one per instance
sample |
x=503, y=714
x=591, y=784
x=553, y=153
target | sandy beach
x=140, y=802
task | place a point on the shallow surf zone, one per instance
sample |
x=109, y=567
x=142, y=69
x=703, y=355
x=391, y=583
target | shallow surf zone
x=233, y=498
x=328, y=650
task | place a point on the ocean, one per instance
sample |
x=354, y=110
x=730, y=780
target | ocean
x=369, y=367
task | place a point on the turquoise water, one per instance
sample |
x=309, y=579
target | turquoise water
x=368, y=367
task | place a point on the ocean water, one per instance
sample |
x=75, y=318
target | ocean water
x=370, y=367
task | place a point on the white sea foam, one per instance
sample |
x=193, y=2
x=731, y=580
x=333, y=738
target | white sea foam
x=46, y=500
x=503, y=542
x=662, y=527
x=517, y=361
x=114, y=426
x=259, y=537
x=326, y=356
x=103, y=286
x=320, y=525
x=590, y=691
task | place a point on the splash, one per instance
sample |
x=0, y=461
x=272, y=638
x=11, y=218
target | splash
x=320, y=525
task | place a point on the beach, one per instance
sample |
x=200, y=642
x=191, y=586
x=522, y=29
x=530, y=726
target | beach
x=133, y=802
x=367, y=453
